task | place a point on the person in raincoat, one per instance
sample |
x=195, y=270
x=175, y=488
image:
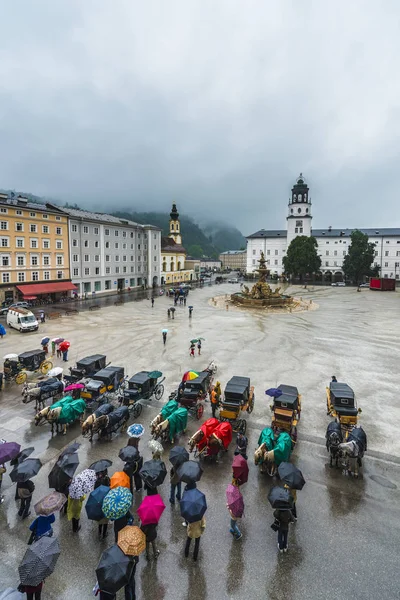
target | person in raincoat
x=282, y=519
x=194, y=532
x=214, y=402
x=53, y=347
x=192, y=349
x=74, y=509
x=41, y=526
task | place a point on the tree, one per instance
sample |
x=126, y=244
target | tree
x=195, y=250
x=302, y=257
x=359, y=258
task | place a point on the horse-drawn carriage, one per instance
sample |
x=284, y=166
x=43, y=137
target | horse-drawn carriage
x=286, y=410
x=86, y=367
x=170, y=422
x=212, y=438
x=273, y=448
x=40, y=391
x=142, y=386
x=106, y=380
x=341, y=404
x=193, y=392
x=17, y=366
x=238, y=397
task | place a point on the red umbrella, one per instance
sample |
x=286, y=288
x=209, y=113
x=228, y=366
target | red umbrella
x=235, y=501
x=240, y=469
x=151, y=509
x=64, y=346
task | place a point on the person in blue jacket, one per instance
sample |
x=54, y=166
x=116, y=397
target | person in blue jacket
x=41, y=526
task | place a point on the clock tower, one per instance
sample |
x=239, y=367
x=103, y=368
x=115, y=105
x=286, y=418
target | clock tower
x=175, y=226
x=299, y=211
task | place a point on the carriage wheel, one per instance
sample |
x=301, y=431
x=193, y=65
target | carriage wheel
x=242, y=426
x=199, y=411
x=46, y=366
x=21, y=377
x=159, y=392
x=137, y=409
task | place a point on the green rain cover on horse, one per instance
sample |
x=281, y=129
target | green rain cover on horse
x=177, y=422
x=283, y=448
x=169, y=408
x=71, y=410
x=267, y=437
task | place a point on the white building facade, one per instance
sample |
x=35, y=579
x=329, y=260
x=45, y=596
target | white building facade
x=108, y=254
x=332, y=243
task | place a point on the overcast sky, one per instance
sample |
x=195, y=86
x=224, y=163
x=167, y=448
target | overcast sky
x=217, y=104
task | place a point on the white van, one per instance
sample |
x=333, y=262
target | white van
x=22, y=319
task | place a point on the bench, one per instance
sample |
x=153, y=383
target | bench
x=72, y=311
x=54, y=315
x=95, y=307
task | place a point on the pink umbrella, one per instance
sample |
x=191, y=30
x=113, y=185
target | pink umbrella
x=74, y=386
x=151, y=509
x=235, y=501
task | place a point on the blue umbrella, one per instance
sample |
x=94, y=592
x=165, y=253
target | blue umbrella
x=45, y=341
x=2, y=330
x=193, y=505
x=274, y=392
x=94, y=504
x=136, y=430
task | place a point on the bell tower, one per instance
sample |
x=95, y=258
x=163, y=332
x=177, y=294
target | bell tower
x=299, y=211
x=175, y=226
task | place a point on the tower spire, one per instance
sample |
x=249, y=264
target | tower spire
x=174, y=225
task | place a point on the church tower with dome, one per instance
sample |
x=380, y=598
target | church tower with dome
x=299, y=211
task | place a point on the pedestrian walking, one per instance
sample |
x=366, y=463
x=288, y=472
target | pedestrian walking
x=152, y=302
x=122, y=522
x=192, y=349
x=65, y=355
x=42, y=316
x=45, y=348
x=41, y=526
x=214, y=401
x=164, y=336
x=25, y=491
x=103, y=527
x=190, y=311
x=129, y=589
x=2, y=471
x=176, y=486
x=184, y=301
x=32, y=592
x=241, y=445
x=234, y=529
x=282, y=519
x=199, y=347
x=53, y=348
x=194, y=532
x=150, y=532
x=74, y=509
x=169, y=314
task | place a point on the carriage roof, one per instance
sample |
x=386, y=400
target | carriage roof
x=30, y=353
x=140, y=378
x=237, y=386
x=288, y=390
x=341, y=391
x=198, y=382
x=90, y=360
x=108, y=373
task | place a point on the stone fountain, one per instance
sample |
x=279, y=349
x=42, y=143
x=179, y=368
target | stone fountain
x=261, y=295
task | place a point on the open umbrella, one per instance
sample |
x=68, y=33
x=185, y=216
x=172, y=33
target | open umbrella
x=280, y=497
x=101, y=465
x=3, y=330
x=291, y=475
x=156, y=447
x=151, y=509
x=129, y=454
x=94, y=504
x=190, y=471
x=75, y=490
x=178, y=455
x=234, y=499
x=273, y=392
x=39, y=561
x=189, y=375
x=74, y=386
x=63, y=471
x=86, y=480
x=22, y=455
x=136, y=430
x=240, y=469
x=132, y=540
x=155, y=374
x=117, y=503
x=55, y=372
x=45, y=341
x=71, y=449
x=64, y=346
x=153, y=472
x=27, y=469
x=50, y=504
x=10, y=356
x=197, y=339
x=114, y=570
x=193, y=505
x=57, y=340
x=120, y=479
x=165, y=330
x=8, y=451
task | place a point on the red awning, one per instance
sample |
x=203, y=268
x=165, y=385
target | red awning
x=35, y=289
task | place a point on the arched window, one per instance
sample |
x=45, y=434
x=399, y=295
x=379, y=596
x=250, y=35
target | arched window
x=172, y=227
x=164, y=266
x=172, y=265
x=299, y=210
x=179, y=266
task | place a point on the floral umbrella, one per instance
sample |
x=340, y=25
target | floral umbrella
x=50, y=503
x=117, y=503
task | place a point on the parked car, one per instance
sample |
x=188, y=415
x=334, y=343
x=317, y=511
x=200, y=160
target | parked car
x=338, y=284
x=233, y=280
x=364, y=285
x=5, y=310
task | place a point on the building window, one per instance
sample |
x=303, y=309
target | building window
x=132, y=258
x=20, y=242
x=4, y=225
x=376, y=252
x=116, y=245
x=108, y=270
x=155, y=247
x=386, y=252
x=124, y=269
x=5, y=261
x=276, y=252
x=138, y=245
x=96, y=244
x=296, y=230
x=97, y=286
x=35, y=275
x=97, y=271
x=116, y=258
x=155, y=258
x=45, y=229
x=116, y=233
x=75, y=258
x=74, y=228
x=60, y=260
x=86, y=258
x=46, y=244
x=46, y=275
x=86, y=243
x=397, y=253
x=76, y=272
x=107, y=258
x=45, y=216
x=388, y=241
x=60, y=274
x=74, y=243
x=59, y=230
x=58, y=218
x=334, y=263
x=124, y=246
x=97, y=258
x=132, y=269
x=276, y=262
x=254, y=252
x=20, y=261
x=124, y=234
x=19, y=226
x=6, y=278
x=124, y=259
x=106, y=232
x=131, y=246
x=87, y=271
x=117, y=270
x=301, y=229
x=4, y=210
x=46, y=261
x=344, y=252
x=327, y=263
x=34, y=243
x=32, y=214
x=335, y=253
x=96, y=230
x=85, y=229
x=21, y=277
x=131, y=234
x=34, y=261
x=33, y=228
x=59, y=245
x=386, y=264
x=254, y=261
x=107, y=244
x=107, y=285
x=326, y=252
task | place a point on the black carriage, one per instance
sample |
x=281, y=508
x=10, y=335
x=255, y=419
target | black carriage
x=238, y=397
x=192, y=393
x=341, y=404
x=106, y=380
x=86, y=367
x=286, y=410
x=16, y=366
x=142, y=386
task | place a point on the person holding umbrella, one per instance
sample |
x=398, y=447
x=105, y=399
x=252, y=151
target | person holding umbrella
x=177, y=457
x=38, y=563
x=33, y=592
x=235, y=506
x=74, y=509
x=64, y=347
x=193, y=508
x=149, y=513
x=41, y=526
x=293, y=480
x=282, y=502
x=25, y=491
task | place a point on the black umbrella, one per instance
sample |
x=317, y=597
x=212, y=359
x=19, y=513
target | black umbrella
x=114, y=570
x=153, y=472
x=280, y=497
x=291, y=475
x=100, y=465
x=190, y=471
x=71, y=449
x=39, y=561
x=193, y=505
x=26, y=470
x=129, y=454
x=22, y=455
x=61, y=474
x=178, y=456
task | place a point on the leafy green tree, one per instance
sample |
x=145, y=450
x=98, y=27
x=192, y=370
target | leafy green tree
x=359, y=258
x=195, y=250
x=302, y=256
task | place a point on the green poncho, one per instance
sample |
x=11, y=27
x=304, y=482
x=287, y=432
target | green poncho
x=169, y=408
x=177, y=422
x=267, y=437
x=70, y=409
x=283, y=448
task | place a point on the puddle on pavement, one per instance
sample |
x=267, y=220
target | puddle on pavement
x=383, y=481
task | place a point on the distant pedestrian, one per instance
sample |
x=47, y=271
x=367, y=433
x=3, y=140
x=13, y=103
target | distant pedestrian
x=45, y=348
x=199, y=346
x=282, y=520
x=234, y=529
x=194, y=532
x=42, y=316
x=41, y=526
x=65, y=355
x=334, y=380
x=241, y=445
x=53, y=348
x=169, y=314
x=214, y=402
x=152, y=302
x=190, y=311
x=2, y=471
x=176, y=486
x=122, y=522
x=25, y=491
x=74, y=509
x=192, y=349
x=150, y=532
x=164, y=337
